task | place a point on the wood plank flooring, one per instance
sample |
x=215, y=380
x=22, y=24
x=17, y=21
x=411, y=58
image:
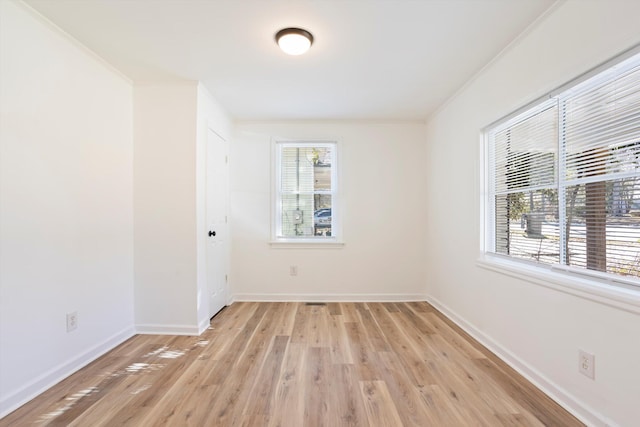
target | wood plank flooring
x=292, y=364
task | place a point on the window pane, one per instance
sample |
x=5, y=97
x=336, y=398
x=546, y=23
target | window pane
x=306, y=169
x=297, y=215
x=322, y=177
x=525, y=153
x=603, y=226
x=601, y=126
x=323, y=215
x=527, y=225
x=322, y=168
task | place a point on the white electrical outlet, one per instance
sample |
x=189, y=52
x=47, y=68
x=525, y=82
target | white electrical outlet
x=72, y=321
x=587, y=364
x=293, y=270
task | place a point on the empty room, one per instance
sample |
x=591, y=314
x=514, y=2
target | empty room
x=320, y=213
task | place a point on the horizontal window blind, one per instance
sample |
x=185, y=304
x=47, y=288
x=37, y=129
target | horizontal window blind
x=602, y=126
x=297, y=170
x=525, y=186
x=525, y=152
x=601, y=139
x=565, y=177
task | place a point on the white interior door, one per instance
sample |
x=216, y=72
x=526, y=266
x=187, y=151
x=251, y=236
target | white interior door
x=217, y=231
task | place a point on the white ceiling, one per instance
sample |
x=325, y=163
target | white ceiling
x=371, y=59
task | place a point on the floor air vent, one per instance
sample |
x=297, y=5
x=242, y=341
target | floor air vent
x=315, y=303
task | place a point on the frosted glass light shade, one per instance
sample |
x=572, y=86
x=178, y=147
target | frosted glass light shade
x=294, y=41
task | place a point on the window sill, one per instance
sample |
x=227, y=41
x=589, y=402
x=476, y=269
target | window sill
x=617, y=295
x=306, y=244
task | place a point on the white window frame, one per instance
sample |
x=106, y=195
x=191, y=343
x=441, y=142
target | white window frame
x=615, y=290
x=336, y=239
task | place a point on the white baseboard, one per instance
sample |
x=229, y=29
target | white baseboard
x=329, y=297
x=160, y=329
x=47, y=380
x=204, y=325
x=555, y=392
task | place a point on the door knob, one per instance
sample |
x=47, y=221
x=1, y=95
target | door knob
x=212, y=233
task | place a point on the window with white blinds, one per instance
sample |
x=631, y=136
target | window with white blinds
x=564, y=178
x=305, y=202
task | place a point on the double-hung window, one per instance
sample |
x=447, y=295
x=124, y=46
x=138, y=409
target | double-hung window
x=563, y=178
x=306, y=198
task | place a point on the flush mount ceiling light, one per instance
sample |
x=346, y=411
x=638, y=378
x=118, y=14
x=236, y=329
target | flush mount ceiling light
x=294, y=41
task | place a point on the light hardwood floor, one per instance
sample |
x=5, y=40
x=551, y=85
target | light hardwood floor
x=292, y=364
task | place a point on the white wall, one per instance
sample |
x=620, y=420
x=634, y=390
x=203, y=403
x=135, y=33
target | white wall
x=65, y=206
x=165, y=208
x=170, y=123
x=383, y=175
x=536, y=328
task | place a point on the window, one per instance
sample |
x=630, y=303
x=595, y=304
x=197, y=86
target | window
x=306, y=191
x=563, y=178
